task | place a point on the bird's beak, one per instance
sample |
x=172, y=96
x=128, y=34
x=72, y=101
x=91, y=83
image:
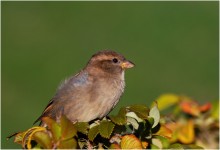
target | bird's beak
x=127, y=64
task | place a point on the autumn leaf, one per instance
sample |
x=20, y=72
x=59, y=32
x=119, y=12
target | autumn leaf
x=54, y=127
x=205, y=107
x=130, y=142
x=167, y=100
x=215, y=110
x=190, y=107
x=114, y=146
x=173, y=127
x=19, y=137
x=28, y=136
x=43, y=139
x=144, y=144
x=164, y=131
x=186, y=132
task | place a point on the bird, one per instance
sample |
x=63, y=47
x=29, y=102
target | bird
x=93, y=92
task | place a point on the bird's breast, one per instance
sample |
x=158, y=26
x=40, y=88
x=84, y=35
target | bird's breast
x=108, y=93
x=92, y=100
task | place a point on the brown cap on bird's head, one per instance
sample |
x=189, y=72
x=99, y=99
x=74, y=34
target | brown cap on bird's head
x=112, y=59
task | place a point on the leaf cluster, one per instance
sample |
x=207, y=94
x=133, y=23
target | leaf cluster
x=134, y=127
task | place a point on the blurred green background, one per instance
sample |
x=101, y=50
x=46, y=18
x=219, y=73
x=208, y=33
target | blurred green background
x=173, y=44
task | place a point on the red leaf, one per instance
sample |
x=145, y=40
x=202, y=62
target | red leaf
x=190, y=107
x=205, y=107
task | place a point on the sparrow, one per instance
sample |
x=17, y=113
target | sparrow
x=93, y=92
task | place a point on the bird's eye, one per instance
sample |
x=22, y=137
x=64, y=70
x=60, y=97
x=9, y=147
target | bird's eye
x=115, y=60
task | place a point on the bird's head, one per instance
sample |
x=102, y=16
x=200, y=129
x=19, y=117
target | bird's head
x=109, y=62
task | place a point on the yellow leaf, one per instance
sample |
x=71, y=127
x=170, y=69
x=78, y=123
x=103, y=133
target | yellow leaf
x=43, y=139
x=28, y=136
x=54, y=127
x=173, y=127
x=164, y=131
x=215, y=110
x=166, y=100
x=130, y=142
x=186, y=132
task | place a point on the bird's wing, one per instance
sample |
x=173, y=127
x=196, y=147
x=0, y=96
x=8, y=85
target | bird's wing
x=48, y=107
x=72, y=83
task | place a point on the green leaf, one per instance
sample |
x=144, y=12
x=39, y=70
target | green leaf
x=215, y=110
x=150, y=120
x=68, y=144
x=37, y=147
x=133, y=122
x=152, y=146
x=130, y=142
x=82, y=127
x=106, y=128
x=120, y=129
x=182, y=146
x=176, y=146
x=191, y=146
x=43, y=139
x=154, y=113
x=133, y=115
x=54, y=127
x=67, y=128
x=157, y=142
x=93, y=132
x=167, y=100
x=120, y=118
x=140, y=110
x=28, y=136
x=164, y=141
